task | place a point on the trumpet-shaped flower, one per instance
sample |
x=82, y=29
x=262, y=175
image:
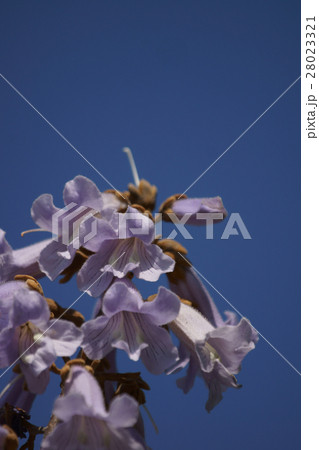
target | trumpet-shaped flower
x=197, y=206
x=132, y=251
x=28, y=336
x=198, y=211
x=84, y=422
x=24, y=260
x=82, y=200
x=134, y=326
x=214, y=353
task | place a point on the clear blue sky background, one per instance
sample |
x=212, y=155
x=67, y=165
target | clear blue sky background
x=178, y=82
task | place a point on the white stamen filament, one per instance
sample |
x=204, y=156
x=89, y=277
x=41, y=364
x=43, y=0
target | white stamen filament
x=132, y=164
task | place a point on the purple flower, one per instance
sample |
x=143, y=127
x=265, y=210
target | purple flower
x=187, y=285
x=133, y=252
x=85, y=423
x=27, y=333
x=134, y=326
x=21, y=261
x=82, y=199
x=214, y=353
x=199, y=210
x=16, y=395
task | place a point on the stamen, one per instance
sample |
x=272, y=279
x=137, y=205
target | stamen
x=33, y=230
x=8, y=386
x=132, y=164
x=151, y=418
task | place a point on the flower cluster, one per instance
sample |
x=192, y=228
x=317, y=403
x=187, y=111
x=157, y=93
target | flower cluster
x=106, y=240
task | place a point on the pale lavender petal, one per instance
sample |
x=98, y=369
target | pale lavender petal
x=99, y=231
x=191, y=288
x=18, y=305
x=22, y=261
x=65, y=336
x=111, y=202
x=133, y=223
x=160, y=354
x=86, y=424
x=37, y=353
x=37, y=384
x=231, y=318
x=193, y=206
x=187, y=382
x=116, y=256
x=181, y=363
x=232, y=343
x=121, y=296
x=131, y=339
x=9, y=344
x=152, y=262
x=217, y=382
x=123, y=411
x=7, y=291
x=92, y=277
x=74, y=403
x=28, y=305
x=56, y=257
x=99, y=335
x=42, y=211
x=17, y=395
x=163, y=309
x=206, y=355
x=81, y=382
x=5, y=247
x=121, y=256
x=87, y=433
x=83, y=191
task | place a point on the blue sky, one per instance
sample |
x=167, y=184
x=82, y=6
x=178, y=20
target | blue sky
x=178, y=82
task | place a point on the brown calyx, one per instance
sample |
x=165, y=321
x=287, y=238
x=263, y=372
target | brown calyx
x=80, y=257
x=72, y=315
x=64, y=372
x=132, y=384
x=11, y=440
x=31, y=282
x=171, y=246
x=144, y=194
x=177, y=252
x=166, y=206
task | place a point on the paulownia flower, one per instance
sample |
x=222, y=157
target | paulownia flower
x=185, y=282
x=199, y=211
x=133, y=252
x=214, y=353
x=24, y=260
x=82, y=199
x=16, y=395
x=84, y=422
x=28, y=335
x=130, y=324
